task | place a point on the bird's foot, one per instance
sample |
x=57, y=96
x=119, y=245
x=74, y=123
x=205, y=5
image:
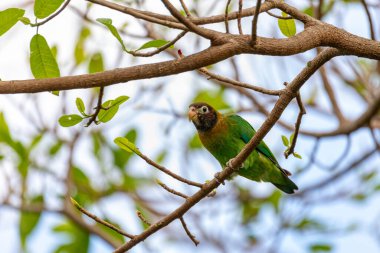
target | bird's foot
x=216, y=176
x=229, y=164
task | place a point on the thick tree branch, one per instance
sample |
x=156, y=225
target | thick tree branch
x=314, y=36
x=172, y=22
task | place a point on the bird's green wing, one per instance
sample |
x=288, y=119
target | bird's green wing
x=246, y=132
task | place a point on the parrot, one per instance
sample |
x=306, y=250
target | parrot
x=225, y=135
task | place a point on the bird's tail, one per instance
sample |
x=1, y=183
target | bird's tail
x=287, y=186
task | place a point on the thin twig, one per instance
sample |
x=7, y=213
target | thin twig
x=337, y=175
x=98, y=107
x=206, y=33
x=142, y=218
x=189, y=234
x=330, y=92
x=184, y=7
x=239, y=17
x=339, y=159
x=301, y=112
x=319, y=10
x=168, y=172
x=99, y=220
x=226, y=16
x=160, y=49
x=372, y=30
x=254, y=23
x=171, y=190
x=52, y=16
x=211, y=75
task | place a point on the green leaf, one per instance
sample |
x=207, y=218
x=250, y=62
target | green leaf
x=80, y=106
x=42, y=61
x=8, y=18
x=274, y=199
x=70, y=120
x=5, y=135
x=291, y=138
x=155, y=44
x=79, y=50
x=369, y=175
x=96, y=63
x=126, y=145
x=43, y=8
x=308, y=224
x=319, y=247
x=29, y=220
x=285, y=140
x=55, y=148
x=119, y=100
x=108, y=23
x=213, y=97
x=120, y=157
x=287, y=26
x=195, y=142
x=77, y=239
x=55, y=92
x=107, y=114
x=359, y=197
x=296, y=155
x=24, y=20
x=161, y=156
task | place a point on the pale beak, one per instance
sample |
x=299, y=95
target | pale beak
x=192, y=113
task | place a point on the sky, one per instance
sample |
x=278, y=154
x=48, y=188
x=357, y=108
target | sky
x=14, y=47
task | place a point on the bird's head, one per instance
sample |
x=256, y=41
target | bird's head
x=203, y=116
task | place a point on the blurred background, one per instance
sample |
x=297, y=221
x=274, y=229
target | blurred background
x=336, y=209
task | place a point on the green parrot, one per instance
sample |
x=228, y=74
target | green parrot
x=224, y=136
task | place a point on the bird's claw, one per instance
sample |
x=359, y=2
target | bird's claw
x=229, y=164
x=216, y=176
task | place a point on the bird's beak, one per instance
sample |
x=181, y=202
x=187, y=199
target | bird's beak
x=192, y=114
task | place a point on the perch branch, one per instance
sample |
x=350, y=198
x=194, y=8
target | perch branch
x=282, y=103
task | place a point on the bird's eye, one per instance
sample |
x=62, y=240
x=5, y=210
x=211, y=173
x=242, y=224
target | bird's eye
x=204, y=109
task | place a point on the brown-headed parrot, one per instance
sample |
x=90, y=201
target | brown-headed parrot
x=224, y=136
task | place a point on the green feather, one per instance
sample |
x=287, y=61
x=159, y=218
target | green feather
x=229, y=136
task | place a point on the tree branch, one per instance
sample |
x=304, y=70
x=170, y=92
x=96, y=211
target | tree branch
x=52, y=16
x=168, y=172
x=254, y=23
x=226, y=16
x=160, y=49
x=189, y=234
x=283, y=101
x=301, y=112
x=206, y=33
x=99, y=220
x=211, y=75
